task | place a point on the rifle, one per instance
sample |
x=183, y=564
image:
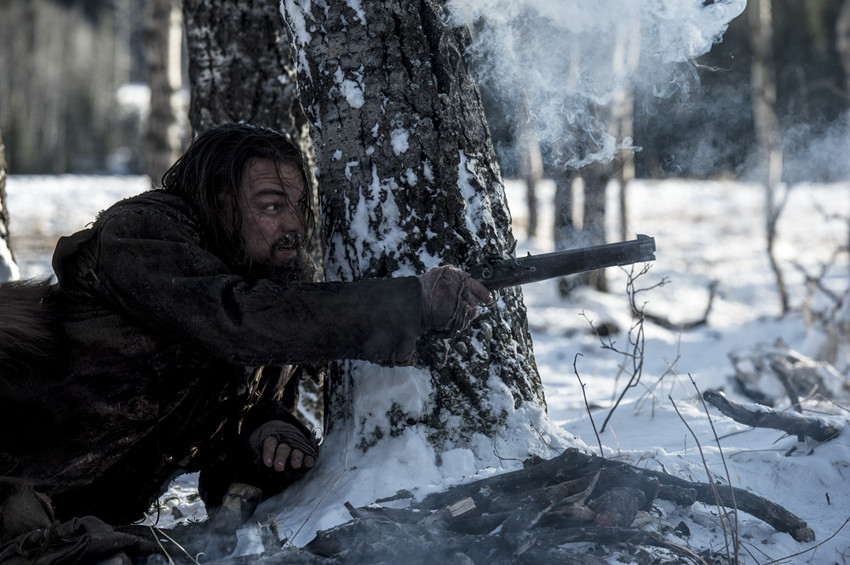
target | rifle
x=497, y=273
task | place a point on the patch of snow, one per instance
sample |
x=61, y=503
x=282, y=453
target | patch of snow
x=352, y=90
x=399, y=141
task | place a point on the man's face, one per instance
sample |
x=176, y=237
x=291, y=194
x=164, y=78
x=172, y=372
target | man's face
x=273, y=226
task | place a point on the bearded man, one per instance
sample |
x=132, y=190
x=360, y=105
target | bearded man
x=176, y=335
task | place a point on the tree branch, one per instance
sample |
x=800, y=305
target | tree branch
x=763, y=417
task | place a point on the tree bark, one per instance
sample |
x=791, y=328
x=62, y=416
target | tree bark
x=409, y=180
x=8, y=268
x=240, y=67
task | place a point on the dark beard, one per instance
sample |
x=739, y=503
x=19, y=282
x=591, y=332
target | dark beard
x=300, y=269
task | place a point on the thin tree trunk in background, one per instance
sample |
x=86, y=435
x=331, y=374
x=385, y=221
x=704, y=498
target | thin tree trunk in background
x=8, y=268
x=409, y=180
x=528, y=144
x=768, y=134
x=563, y=225
x=163, y=48
x=625, y=61
x=241, y=70
x=842, y=33
x=596, y=177
x=530, y=166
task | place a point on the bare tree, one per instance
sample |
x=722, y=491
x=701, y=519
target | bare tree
x=596, y=177
x=8, y=268
x=620, y=57
x=842, y=32
x=768, y=133
x=163, y=50
x=409, y=180
x=528, y=143
x=625, y=61
x=57, y=99
x=530, y=164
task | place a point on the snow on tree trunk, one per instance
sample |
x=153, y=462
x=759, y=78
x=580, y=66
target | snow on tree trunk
x=8, y=267
x=408, y=181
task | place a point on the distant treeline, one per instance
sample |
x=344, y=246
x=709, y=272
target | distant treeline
x=63, y=108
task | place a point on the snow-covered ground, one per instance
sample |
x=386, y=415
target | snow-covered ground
x=705, y=231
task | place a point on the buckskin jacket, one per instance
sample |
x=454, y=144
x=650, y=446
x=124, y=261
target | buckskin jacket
x=155, y=368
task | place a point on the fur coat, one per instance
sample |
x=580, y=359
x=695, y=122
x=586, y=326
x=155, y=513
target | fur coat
x=150, y=365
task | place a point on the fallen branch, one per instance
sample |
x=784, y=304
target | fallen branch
x=574, y=464
x=763, y=417
x=525, y=516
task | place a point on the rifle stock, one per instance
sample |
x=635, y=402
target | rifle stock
x=497, y=273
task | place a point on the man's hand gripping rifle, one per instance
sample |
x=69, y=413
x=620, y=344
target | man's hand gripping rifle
x=497, y=273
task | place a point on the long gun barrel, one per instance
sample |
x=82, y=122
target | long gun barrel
x=497, y=273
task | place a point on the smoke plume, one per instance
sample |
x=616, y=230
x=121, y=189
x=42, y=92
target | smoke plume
x=562, y=66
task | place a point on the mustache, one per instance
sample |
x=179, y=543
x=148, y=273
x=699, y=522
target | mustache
x=291, y=241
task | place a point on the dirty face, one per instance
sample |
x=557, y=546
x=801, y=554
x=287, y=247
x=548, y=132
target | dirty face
x=270, y=204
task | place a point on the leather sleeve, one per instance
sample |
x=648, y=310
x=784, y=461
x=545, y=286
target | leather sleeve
x=151, y=262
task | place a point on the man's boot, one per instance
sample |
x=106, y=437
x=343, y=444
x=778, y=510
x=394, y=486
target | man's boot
x=236, y=508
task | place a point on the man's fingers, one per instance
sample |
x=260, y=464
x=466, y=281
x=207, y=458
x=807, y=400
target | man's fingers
x=281, y=456
x=296, y=459
x=478, y=290
x=269, y=447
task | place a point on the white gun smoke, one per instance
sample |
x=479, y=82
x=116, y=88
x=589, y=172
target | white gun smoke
x=564, y=64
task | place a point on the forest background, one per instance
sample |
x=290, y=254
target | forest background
x=75, y=101
x=73, y=98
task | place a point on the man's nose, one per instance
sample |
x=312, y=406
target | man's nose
x=293, y=220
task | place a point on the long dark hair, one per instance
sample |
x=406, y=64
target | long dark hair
x=212, y=168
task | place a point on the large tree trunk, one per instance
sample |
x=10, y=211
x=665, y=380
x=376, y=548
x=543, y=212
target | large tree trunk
x=8, y=268
x=240, y=66
x=163, y=47
x=408, y=181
